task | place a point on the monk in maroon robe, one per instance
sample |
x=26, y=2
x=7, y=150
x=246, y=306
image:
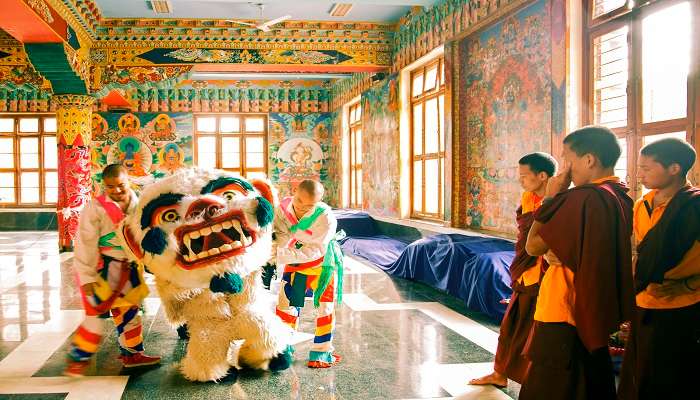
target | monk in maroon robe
x=663, y=348
x=584, y=233
x=535, y=169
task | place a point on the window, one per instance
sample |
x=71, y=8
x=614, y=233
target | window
x=639, y=64
x=355, y=170
x=28, y=161
x=232, y=142
x=428, y=140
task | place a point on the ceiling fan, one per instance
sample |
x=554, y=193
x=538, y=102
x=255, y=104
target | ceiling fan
x=264, y=26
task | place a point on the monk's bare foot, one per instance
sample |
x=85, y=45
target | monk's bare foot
x=493, y=378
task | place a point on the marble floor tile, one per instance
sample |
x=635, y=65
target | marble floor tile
x=399, y=340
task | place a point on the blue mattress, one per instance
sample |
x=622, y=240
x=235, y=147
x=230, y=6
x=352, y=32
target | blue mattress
x=380, y=250
x=474, y=269
x=356, y=223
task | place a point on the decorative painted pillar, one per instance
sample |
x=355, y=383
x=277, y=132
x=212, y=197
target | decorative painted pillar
x=73, y=119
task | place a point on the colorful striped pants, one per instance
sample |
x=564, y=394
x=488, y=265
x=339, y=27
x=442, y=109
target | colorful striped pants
x=126, y=316
x=86, y=339
x=296, y=286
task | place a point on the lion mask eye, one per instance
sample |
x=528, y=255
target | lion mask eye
x=168, y=216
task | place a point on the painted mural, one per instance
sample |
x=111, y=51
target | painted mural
x=149, y=145
x=300, y=148
x=380, y=148
x=505, y=110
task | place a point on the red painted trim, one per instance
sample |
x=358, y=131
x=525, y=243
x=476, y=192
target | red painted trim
x=25, y=25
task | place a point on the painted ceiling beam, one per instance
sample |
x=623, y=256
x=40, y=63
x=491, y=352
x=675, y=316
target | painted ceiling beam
x=31, y=24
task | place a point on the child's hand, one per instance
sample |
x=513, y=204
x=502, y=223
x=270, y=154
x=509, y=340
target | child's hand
x=560, y=182
x=88, y=289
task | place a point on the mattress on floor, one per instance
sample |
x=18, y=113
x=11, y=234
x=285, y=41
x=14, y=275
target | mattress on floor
x=380, y=250
x=356, y=223
x=474, y=269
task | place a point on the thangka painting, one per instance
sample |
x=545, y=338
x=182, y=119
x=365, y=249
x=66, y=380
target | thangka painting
x=149, y=145
x=506, y=95
x=300, y=148
x=380, y=148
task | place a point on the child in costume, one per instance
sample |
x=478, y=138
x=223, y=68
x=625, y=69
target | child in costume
x=109, y=283
x=313, y=265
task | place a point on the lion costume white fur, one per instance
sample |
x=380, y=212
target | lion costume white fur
x=205, y=234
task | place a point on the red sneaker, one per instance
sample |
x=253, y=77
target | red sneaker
x=323, y=364
x=76, y=369
x=139, y=360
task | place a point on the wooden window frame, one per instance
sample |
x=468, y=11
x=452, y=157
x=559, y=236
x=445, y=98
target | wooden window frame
x=421, y=99
x=17, y=169
x=242, y=170
x=636, y=130
x=355, y=168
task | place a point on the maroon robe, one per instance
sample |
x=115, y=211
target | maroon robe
x=517, y=321
x=589, y=229
x=663, y=349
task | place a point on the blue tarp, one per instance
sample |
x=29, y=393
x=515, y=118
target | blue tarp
x=474, y=269
x=380, y=250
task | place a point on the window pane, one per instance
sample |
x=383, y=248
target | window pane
x=417, y=186
x=206, y=124
x=230, y=145
x=29, y=195
x=417, y=85
x=206, y=152
x=601, y=7
x=610, y=72
x=260, y=175
x=654, y=138
x=359, y=188
x=50, y=125
x=51, y=195
x=29, y=125
x=358, y=152
x=441, y=108
x=418, y=129
x=254, y=160
x=29, y=145
x=431, y=126
x=431, y=186
x=7, y=179
x=431, y=78
x=666, y=46
x=353, y=114
x=230, y=160
x=51, y=179
x=6, y=145
x=7, y=160
x=29, y=180
x=230, y=124
x=359, y=113
x=29, y=152
x=50, y=152
x=621, y=166
x=255, y=124
x=254, y=145
x=7, y=124
x=7, y=195
x=206, y=144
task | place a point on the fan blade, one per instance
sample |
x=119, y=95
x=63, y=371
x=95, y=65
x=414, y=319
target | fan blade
x=242, y=23
x=276, y=20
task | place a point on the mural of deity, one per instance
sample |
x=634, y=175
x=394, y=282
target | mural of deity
x=171, y=158
x=132, y=154
x=129, y=124
x=99, y=127
x=302, y=158
x=163, y=128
